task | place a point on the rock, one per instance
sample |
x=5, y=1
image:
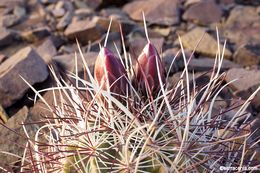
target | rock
x=19, y=11
x=36, y=34
x=227, y=4
x=248, y=2
x=9, y=20
x=162, y=31
x=57, y=40
x=208, y=45
x=48, y=1
x=68, y=61
x=118, y=3
x=67, y=49
x=242, y=25
x=84, y=12
x=254, y=125
x=198, y=13
x=59, y=9
x=116, y=12
x=6, y=37
x=178, y=64
x=13, y=141
x=3, y=115
x=65, y=20
x=248, y=54
x=2, y=58
x=5, y=11
x=84, y=31
x=244, y=81
x=47, y=50
x=40, y=110
x=247, y=83
x=103, y=22
x=113, y=39
x=176, y=77
x=67, y=5
x=190, y=2
x=11, y=3
x=26, y=63
x=16, y=46
x=195, y=64
x=207, y=64
x=32, y=21
x=163, y=12
x=58, y=12
x=93, y=4
x=140, y=32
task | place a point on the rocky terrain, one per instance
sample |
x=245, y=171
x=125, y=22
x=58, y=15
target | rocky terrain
x=37, y=34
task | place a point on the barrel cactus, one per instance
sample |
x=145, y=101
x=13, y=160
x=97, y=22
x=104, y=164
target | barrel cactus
x=131, y=118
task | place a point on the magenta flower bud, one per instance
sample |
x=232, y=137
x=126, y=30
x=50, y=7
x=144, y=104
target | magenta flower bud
x=146, y=69
x=109, y=72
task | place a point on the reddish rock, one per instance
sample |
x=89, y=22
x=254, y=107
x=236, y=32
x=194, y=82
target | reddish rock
x=84, y=12
x=163, y=31
x=12, y=142
x=248, y=54
x=33, y=35
x=40, y=109
x=65, y=20
x=195, y=64
x=117, y=13
x=255, y=124
x=208, y=45
x=242, y=25
x=246, y=78
x=68, y=61
x=103, y=22
x=11, y=3
x=48, y=1
x=84, y=31
x=6, y=37
x=199, y=13
x=58, y=12
x=178, y=64
x=248, y=81
x=26, y=63
x=227, y=4
x=93, y=3
x=9, y=20
x=164, y=12
x=113, y=39
x=206, y=64
x=248, y=2
x=47, y=50
x=2, y=58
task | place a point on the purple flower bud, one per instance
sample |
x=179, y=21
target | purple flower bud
x=109, y=72
x=146, y=68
